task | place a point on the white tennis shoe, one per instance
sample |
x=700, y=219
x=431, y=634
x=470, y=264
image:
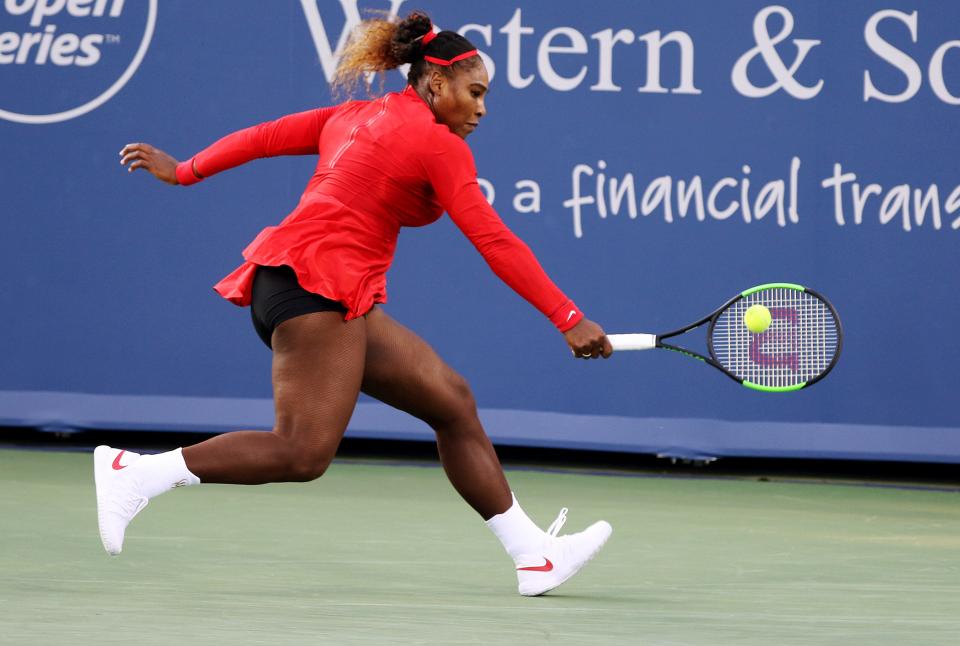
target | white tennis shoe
x=561, y=557
x=118, y=495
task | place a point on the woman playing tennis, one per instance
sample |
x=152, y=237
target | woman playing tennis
x=313, y=284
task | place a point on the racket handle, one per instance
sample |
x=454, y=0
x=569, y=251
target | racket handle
x=632, y=341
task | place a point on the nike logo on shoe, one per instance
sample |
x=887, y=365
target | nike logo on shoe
x=116, y=462
x=546, y=567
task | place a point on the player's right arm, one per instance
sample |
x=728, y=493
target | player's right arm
x=295, y=134
x=448, y=163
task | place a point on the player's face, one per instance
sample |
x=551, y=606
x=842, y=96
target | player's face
x=459, y=103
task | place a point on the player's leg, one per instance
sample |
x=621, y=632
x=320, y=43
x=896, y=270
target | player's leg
x=317, y=368
x=318, y=364
x=403, y=371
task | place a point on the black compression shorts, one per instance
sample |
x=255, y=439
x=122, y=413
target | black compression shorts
x=278, y=297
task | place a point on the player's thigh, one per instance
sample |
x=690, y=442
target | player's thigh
x=318, y=363
x=402, y=370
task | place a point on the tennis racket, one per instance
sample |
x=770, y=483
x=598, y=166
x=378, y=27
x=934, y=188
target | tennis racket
x=799, y=347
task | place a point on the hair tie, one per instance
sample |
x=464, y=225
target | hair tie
x=427, y=37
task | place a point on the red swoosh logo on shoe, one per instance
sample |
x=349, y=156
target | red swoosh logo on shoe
x=546, y=567
x=116, y=462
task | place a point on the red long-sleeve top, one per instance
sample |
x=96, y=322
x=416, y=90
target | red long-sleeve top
x=383, y=164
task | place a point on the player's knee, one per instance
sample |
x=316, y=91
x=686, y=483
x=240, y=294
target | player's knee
x=307, y=466
x=463, y=395
x=457, y=404
x=301, y=461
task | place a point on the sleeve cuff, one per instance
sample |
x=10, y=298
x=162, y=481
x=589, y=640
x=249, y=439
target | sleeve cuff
x=185, y=174
x=566, y=317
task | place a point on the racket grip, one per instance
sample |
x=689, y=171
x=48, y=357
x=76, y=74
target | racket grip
x=632, y=341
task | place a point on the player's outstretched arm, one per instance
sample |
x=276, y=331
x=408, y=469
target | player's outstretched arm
x=587, y=340
x=294, y=134
x=153, y=160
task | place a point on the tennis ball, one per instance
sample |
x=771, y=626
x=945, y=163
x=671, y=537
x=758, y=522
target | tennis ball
x=757, y=318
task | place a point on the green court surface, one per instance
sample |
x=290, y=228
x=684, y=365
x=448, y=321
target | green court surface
x=381, y=553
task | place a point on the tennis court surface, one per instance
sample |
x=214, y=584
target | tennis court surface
x=386, y=553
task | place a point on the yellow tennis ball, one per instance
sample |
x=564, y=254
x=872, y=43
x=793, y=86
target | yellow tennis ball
x=757, y=318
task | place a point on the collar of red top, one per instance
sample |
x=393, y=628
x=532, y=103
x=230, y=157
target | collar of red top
x=412, y=92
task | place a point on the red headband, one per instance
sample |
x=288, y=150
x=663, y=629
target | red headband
x=440, y=61
x=428, y=37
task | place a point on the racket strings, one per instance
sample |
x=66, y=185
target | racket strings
x=798, y=346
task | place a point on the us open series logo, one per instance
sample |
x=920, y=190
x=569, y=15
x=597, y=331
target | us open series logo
x=73, y=55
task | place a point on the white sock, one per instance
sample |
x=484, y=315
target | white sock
x=516, y=531
x=162, y=472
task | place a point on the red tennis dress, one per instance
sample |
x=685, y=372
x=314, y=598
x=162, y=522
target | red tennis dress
x=383, y=164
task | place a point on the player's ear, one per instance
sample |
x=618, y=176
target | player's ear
x=437, y=82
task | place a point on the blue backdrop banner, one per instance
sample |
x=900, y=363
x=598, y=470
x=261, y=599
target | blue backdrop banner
x=658, y=157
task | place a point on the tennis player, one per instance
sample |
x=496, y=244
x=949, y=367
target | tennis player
x=313, y=284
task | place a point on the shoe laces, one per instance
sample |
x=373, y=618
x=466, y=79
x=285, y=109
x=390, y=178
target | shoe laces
x=556, y=525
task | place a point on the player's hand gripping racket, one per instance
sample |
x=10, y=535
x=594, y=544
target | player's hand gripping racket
x=793, y=340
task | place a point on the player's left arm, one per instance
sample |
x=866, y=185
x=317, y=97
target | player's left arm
x=294, y=134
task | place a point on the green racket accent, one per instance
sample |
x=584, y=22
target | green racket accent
x=683, y=352
x=752, y=290
x=773, y=389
